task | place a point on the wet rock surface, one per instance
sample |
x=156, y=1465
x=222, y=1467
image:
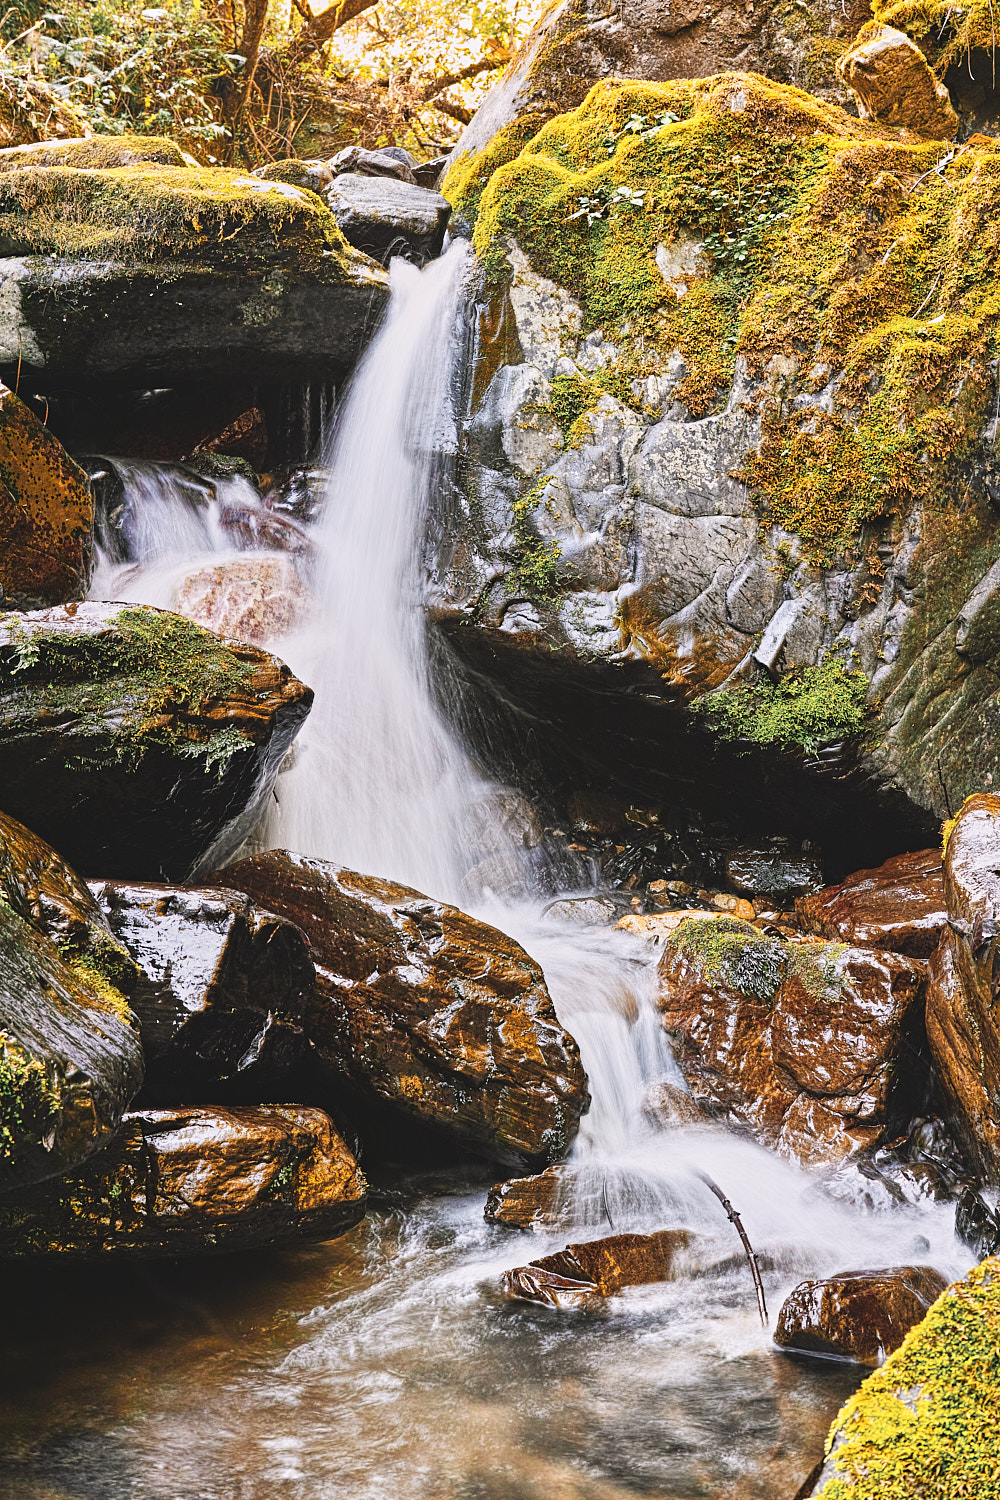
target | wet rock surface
x=777, y=868
x=857, y=1315
x=134, y=739
x=46, y=514
x=191, y=1182
x=422, y=1007
x=251, y=599
x=222, y=993
x=809, y=1047
x=384, y=216
x=899, y=906
x=526, y=1202
x=585, y=1273
x=962, y=1025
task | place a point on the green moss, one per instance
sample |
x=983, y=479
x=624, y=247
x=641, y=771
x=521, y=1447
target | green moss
x=153, y=212
x=806, y=708
x=96, y=151
x=733, y=953
x=532, y=572
x=924, y=1426
x=850, y=253
x=138, y=682
x=29, y=1104
x=947, y=34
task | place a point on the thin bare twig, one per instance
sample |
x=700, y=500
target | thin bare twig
x=734, y=1219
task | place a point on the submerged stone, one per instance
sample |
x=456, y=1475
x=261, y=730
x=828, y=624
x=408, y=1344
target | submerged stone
x=526, y=1202
x=857, y=1315
x=424, y=1008
x=585, y=1273
x=252, y=598
x=193, y=1182
x=136, y=740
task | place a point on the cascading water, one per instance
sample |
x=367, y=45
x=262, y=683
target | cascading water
x=387, y=1368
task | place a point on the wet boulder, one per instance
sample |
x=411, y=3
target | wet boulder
x=134, y=272
x=583, y=1274
x=192, y=1182
x=385, y=217
x=899, y=906
x=775, y=867
x=526, y=1202
x=424, y=1008
x=963, y=981
x=857, y=1315
x=46, y=514
x=314, y=174
x=135, y=740
x=894, y=84
x=222, y=991
x=256, y=598
x=927, y=1420
x=807, y=1046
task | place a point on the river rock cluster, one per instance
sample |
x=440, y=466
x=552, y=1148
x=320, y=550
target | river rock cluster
x=722, y=532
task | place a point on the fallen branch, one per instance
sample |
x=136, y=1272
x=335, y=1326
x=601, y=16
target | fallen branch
x=497, y=59
x=734, y=1219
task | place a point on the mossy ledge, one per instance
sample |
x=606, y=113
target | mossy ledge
x=737, y=954
x=853, y=250
x=925, y=1424
x=805, y=709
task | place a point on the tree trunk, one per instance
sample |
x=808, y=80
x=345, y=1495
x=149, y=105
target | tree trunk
x=316, y=33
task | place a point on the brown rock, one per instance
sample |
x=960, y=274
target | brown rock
x=191, y=1181
x=963, y=978
x=46, y=514
x=420, y=1006
x=222, y=994
x=254, y=598
x=858, y=1315
x=582, y=1273
x=658, y=926
x=899, y=906
x=526, y=1202
x=806, y=1045
x=894, y=84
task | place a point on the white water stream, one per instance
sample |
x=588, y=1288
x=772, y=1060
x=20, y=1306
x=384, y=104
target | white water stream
x=438, y=1389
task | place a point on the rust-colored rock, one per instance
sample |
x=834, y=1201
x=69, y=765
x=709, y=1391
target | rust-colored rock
x=191, y=1181
x=46, y=514
x=136, y=741
x=858, y=1315
x=420, y=1006
x=254, y=598
x=894, y=83
x=581, y=1274
x=963, y=979
x=526, y=1202
x=808, y=1046
x=222, y=993
x=899, y=906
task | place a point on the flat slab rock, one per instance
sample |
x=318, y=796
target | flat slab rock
x=807, y=1046
x=222, y=993
x=857, y=1315
x=899, y=906
x=585, y=1273
x=192, y=1181
x=380, y=215
x=424, y=1008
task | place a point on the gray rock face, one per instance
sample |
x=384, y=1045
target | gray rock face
x=384, y=217
x=223, y=991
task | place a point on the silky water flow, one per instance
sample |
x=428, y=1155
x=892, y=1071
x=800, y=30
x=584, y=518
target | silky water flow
x=387, y=1364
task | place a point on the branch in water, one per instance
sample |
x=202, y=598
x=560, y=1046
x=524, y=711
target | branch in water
x=734, y=1219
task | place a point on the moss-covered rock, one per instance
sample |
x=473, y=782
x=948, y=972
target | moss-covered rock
x=194, y=1182
x=146, y=273
x=46, y=513
x=734, y=419
x=101, y=151
x=136, y=739
x=925, y=1424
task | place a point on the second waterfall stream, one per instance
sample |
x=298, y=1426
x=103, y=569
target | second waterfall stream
x=408, y=1377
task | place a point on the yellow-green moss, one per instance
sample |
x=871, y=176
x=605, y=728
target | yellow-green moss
x=28, y=1102
x=102, y=151
x=153, y=212
x=737, y=954
x=806, y=708
x=924, y=1426
x=846, y=249
x=532, y=571
x=947, y=34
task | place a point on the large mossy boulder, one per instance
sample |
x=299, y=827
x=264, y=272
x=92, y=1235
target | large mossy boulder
x=925, y=1424
x=423, y=1008
x=194, y=1182
x=963, y=1026
x=122, y=267
x=46, y=514
x=70, y=1055
x=138, y=742
x=222, y=992
x=809, y=1047
x=731, y=462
